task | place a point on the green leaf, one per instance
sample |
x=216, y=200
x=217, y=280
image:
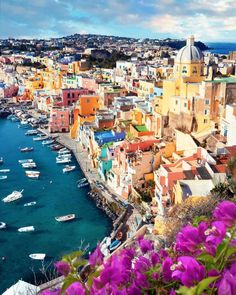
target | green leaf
x=229, y=252
x=198, y=219
x=91, y=276
x=203, y=285
x=186, y=291
x=67, y=282
x=220, y=249
x=206, y=258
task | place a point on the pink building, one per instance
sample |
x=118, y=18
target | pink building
x=59, y=120
x=89, y=83
x=71, y=95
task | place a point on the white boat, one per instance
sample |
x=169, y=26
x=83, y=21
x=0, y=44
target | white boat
x=26, y=229
x=40, y=138
x=47, y=142
x=65, y=218
x=24, y=122
x=68, y=168
x=32, y=174
x=27, y=149
x=37, y=256
x=26, y=161
x=63, y=152
x=5, y=170
x=31, y=132
x=3, y=177
x=15, y=195
x=30, y=204
x=63, y=161
x=82, y=184
x=1, y=160
x=29, y=165
x=2, y=225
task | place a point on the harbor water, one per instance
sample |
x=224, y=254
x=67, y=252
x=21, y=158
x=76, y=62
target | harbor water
x=56, y=194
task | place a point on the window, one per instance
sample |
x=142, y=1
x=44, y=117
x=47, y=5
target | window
x=62, y=116
x=88, y=100
x=185, y=104
x=184, y=70
x=73, y=95
x=68, y=95
x=176, y=102
x=194, y=70
x=206, y=112
x=207, y=101
x=205, y=121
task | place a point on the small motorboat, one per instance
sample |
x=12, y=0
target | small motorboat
x=65, y=218
x=82, y=182
x=15, y=195
x=114, y=245
x=40, y=138
x=27, y=149
x=63, y=152
x=2, y=225
x=32, y=174
x=47, y=142
x=24, y=122
x=63, y=161
x=68, y=168
x=29, y=165
x=30, y=204
x=37, y=256
x=1, y=160
x=2, y=177
x=26, y=161
x=66, y=156
x=31, y=132
x=26, y=229
x=5, y=170
x=55, y=147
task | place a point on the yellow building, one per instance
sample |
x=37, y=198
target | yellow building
x=34, y=83
x=181, y=101
x=146, y=87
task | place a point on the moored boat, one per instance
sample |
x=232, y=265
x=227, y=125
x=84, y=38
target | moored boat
x=5, y=170
x=63, y=161
x=47, y=142
x=26, y=161
x=1, y=160
x=55, y=147
x=32, y=174
x=65, y=218
x=29, y=165
x=63, y=152
x=31, y=132
x=15, y=195
x=30, y=204
x=26, y=229
x=2, y=177
x=38, y=256
x=68, y=168
x=27, y=149
x=2, y=225
x=40, y=138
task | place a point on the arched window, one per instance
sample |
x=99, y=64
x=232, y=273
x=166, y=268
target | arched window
x=184, y=70
x=194, y=70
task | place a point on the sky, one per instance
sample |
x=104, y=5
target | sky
x=207, y=20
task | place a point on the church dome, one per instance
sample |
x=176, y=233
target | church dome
x=189, y=53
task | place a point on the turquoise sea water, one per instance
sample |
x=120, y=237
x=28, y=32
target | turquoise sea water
x=56, y=194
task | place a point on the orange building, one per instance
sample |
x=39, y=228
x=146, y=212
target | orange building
x=85, y=111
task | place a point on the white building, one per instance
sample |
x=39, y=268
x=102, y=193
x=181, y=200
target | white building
x=228, y=124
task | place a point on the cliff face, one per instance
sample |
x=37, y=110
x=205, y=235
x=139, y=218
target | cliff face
x=178, y=44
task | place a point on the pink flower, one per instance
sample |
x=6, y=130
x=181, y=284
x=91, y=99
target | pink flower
x=226, y=212
x=96, y=258
x=62, y=267
x=75, y=289
x=52, y=292
x=145, y=245
x=188, y=271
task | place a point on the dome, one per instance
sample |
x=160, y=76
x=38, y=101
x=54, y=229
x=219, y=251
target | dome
x=189, y=53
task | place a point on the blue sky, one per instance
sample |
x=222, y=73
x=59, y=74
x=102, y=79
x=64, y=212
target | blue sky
x=208, y=20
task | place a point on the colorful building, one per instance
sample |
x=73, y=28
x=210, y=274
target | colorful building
x=59, y=120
